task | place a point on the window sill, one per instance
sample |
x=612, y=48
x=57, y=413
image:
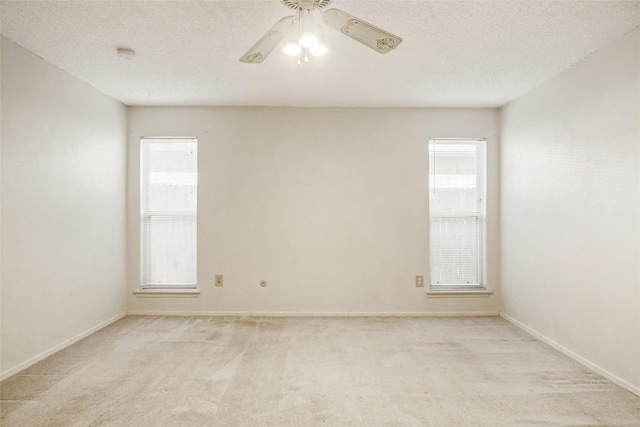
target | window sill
x=453, y=293
x=167, y=293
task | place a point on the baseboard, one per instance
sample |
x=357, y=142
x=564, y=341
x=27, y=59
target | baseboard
x=24, y=365
x=562, y=349
x=314, y=314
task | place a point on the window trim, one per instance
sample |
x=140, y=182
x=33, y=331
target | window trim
x=462, y=293
x=463, y=290
x=168, y=289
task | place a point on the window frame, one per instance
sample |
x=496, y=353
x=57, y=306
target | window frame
x=145, y=284
x=479, y=215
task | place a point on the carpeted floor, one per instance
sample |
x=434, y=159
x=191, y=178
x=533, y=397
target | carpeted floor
x=216, y=371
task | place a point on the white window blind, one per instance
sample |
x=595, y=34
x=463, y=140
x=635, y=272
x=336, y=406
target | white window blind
x=169, y=194
x=457, y=213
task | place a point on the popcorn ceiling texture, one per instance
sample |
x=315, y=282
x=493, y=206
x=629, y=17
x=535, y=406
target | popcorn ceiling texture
x=454, y=54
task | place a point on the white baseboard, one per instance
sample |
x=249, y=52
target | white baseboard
x=314, y=314
x=24, y=365
x=562, y=349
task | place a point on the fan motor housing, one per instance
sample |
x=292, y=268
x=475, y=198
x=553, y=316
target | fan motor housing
x=295, y=4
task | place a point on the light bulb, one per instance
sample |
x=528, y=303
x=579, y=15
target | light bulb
x=292, y=49
x=318, y=50
x=308, y=40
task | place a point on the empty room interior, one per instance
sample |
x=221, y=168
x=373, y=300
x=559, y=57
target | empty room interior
x=316, y=212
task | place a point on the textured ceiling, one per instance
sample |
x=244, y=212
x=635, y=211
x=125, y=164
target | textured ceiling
x=454, y=54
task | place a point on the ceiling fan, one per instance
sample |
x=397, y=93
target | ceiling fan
x=303, y=32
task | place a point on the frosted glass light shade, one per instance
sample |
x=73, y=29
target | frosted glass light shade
x=318, y=50
x=292, y=49
x=308, y=40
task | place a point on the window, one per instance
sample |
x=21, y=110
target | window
x=457, y=213
x=168, y=205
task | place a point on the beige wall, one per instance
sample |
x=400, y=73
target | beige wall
x=570, y=214
x=329, y=206
x=63, y=208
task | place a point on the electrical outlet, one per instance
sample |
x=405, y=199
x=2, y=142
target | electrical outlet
x=263, y=283
x=219, y=280
x=419, y=281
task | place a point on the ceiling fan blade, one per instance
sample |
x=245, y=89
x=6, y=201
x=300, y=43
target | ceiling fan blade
x=367, y=34
x=267, y=43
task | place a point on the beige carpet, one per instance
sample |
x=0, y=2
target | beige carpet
x=212, y=371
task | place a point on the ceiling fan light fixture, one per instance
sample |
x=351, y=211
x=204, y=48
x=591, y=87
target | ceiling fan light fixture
x=307, y=28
